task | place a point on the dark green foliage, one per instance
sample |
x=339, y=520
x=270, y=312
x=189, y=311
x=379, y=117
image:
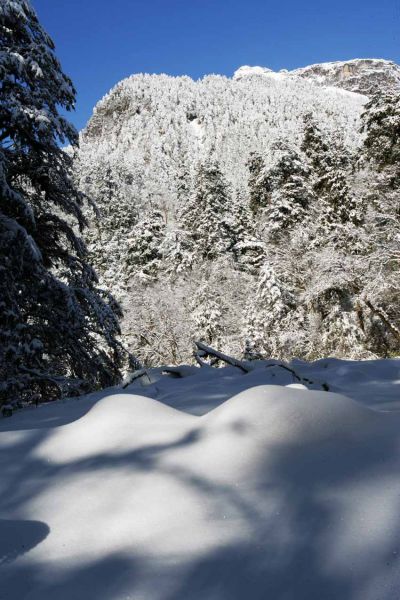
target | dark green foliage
x=259, y=184
x=205, y=214
x=144, y=250
x=381, y=123
x=57, y=330
x=331, y=165
x=283, y=191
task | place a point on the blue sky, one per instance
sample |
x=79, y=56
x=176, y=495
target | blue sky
x=99, y=42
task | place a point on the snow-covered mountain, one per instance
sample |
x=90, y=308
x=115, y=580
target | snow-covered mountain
x=178, y=168
x=362, y=75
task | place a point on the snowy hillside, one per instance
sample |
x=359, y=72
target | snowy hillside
x=156, y=125
x=244, y=212
x=218, y=485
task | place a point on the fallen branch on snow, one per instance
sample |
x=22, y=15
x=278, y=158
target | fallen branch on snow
x=204, y=350
x=135, y=375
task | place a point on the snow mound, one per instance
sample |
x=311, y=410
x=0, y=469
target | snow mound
x=129, y=408
x=254, y=421
x=275, y=492
x=287, y=412
x=114, y=424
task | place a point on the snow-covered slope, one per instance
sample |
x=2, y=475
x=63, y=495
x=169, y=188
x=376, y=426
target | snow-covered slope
x=274, y=492
x=151, y=126
x=362, y=75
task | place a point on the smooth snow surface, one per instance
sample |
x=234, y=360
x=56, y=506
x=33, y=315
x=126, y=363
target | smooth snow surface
x=215, y=486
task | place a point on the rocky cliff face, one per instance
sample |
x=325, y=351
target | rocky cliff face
x=363, y=76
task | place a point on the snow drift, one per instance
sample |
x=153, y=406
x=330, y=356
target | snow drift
x=271, y=492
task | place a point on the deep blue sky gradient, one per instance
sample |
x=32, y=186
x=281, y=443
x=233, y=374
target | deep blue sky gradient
x=99, y=42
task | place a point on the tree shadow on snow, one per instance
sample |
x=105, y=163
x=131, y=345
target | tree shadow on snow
x=287, y=556
x=305, y=550
x=18, y=537
x=102, y=579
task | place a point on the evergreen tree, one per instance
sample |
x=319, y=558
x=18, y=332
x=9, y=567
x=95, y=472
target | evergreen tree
x=381, y=123
x=115, y=214
x=266, y=315
x=145, y=247
x=380, y=168
x=57, y=330
x=207, y=316
x=118, y=207
x=179, y=247
x=179, y=252
x=183, y=182
x=259, y=183
x=291, y=193
x=314, y=144
x=330, y=163
x=334, y=326
x=204, y=216
x=248, y=250
x=281, y=192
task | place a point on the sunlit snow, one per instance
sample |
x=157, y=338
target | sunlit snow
x=216, y=485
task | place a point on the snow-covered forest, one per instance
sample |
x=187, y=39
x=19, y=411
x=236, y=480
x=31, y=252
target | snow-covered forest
x=258, y=214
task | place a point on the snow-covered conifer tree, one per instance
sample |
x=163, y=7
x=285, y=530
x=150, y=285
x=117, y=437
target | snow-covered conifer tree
x=314, y=145
x=282, y=191
x=145, y=247
x=380, y=160
x=381, y=123
x=291, y=193
x=183, y=182
x=207, y=316
x=57, y=331
x=205, y=214
x=266, y=315
x=247, y=247
x=259, y=183
x=117, y=209
x=330, y=163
